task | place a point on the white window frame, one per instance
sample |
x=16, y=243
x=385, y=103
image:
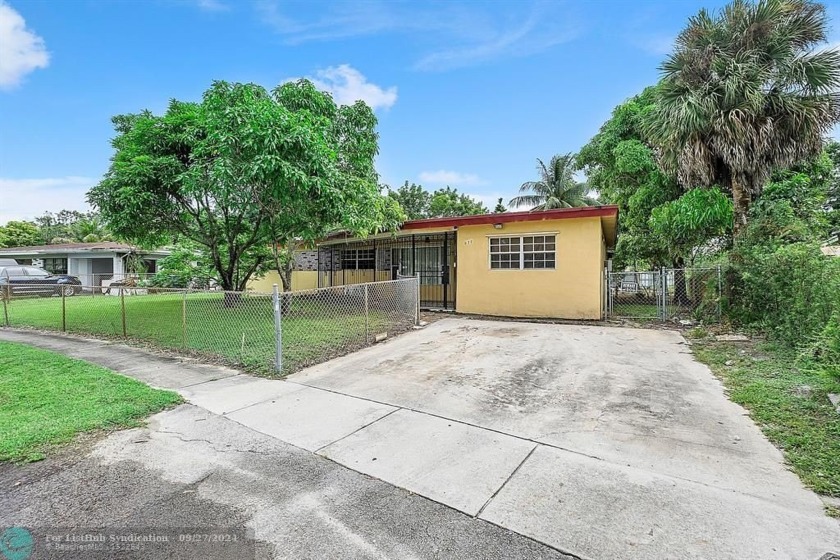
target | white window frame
x=522, y=252
x=356, y=259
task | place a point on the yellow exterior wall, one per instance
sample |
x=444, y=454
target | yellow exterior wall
x=301, y=280
x=340, y=278
x=427, y=292
x=573, y=290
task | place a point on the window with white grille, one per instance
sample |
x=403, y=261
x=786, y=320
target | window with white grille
x=523, y=252
x=358, y=259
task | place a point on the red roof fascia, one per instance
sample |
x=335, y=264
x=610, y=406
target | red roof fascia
x=506, y=217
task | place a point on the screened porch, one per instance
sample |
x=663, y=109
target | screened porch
x=430, y=256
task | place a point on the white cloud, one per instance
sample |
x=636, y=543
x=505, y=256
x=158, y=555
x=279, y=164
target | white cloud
x=21, y=51
x=24, y=199
x=453, y=34
x=490, y=200
x=347, y=85
x=531, y=37
x=451, y=178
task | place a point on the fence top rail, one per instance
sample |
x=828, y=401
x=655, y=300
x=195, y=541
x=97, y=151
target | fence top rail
x=332, y=289
x=88, y=288
x=666, y=269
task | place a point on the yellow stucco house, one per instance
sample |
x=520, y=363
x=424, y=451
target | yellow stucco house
x=515, y=264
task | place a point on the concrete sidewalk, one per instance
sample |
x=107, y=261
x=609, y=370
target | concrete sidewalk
x=191, y=468
x=571, y=500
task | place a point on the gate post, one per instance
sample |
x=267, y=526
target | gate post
x=367, y=315
x=5, y=308
x=184, y=318
x=663, y=276
x=606, y=297
x=278, y=332
x=122, y=310
x=417, y=300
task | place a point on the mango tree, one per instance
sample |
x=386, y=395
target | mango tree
x=244, y=171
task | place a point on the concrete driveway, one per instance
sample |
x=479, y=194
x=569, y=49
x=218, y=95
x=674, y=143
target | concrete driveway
x=603, y=442
x=597, y=442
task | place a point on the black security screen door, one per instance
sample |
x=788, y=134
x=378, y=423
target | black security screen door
x=430, y=256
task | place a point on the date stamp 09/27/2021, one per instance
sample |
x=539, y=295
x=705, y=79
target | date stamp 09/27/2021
x=211, y=543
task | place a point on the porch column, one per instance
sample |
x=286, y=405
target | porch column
x=119, y=271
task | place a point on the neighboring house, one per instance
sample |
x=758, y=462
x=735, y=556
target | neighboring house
x=517, y=264
x=92, y=263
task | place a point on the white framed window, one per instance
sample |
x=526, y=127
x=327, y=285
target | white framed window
x=358, y=259
x=523, y=252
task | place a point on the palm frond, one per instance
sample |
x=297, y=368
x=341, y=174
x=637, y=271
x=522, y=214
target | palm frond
x=557, y=187
x=525, y=200
x=746, y=91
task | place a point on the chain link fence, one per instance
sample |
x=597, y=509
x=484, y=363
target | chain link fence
x=267, y=332
x=104, y=283
x=667, y=294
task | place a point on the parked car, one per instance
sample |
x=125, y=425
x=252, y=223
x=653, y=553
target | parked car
x=29, y=280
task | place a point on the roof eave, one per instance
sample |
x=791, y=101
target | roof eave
x=507, y=217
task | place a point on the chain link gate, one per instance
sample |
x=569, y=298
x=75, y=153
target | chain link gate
x=667, y=294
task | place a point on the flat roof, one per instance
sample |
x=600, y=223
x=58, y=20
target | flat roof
x=607, y=213
x=106, y=246
x=506, y=217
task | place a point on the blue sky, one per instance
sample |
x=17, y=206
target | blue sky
x=467, y=94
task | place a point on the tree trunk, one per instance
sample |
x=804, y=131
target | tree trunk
x=232, y=299
x=680, y=284
x=286, y=276
x=681, y=288
x=284, y=261
x=741, y=200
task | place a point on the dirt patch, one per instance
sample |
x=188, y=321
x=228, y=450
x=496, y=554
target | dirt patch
x=525, y=388
x=504, y=332
x=13, y=475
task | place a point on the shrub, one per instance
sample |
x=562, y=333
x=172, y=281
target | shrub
x=704, y=294
x=185, y=267
x=825, y=348
x=697, y=333
x=789, y=291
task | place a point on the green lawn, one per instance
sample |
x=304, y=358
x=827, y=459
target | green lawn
x=635, y=310
x=788, y=401
x=46, y=399
x=242, y=334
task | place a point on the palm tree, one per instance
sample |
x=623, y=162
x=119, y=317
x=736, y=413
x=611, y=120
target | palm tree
x=745, y=92
x=90, y=229
x=556, y=187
